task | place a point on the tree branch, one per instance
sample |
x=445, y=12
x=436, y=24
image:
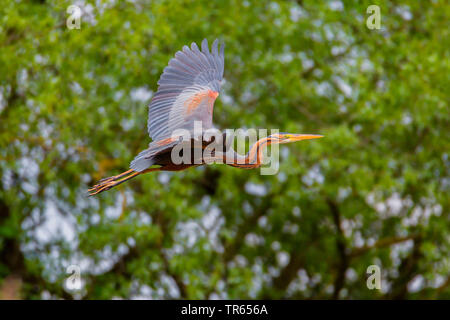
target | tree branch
x=341, y=248
x=386, y=242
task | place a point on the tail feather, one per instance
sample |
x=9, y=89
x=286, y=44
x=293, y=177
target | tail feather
x=142, y=161
x=145, y=159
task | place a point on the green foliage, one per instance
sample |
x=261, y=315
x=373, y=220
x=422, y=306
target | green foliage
x=73, y=109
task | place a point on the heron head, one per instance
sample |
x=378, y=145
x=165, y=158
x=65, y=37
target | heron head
x=284, y=137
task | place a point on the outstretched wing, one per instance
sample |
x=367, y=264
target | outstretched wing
x=187, y=90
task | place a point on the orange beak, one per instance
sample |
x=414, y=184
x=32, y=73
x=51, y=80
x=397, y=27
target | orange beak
x=299, y=137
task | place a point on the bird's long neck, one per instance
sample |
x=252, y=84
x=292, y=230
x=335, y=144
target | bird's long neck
x=253, y=158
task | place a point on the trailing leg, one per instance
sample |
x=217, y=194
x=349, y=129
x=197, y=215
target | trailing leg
x=111, y=182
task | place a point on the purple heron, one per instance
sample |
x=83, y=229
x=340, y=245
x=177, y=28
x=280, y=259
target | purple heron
x=186, y=93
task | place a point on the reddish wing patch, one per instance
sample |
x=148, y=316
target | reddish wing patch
x=193, y=102
x=213, y=94
x=165, y=141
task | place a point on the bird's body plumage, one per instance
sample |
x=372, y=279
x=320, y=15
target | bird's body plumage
x=188, y=88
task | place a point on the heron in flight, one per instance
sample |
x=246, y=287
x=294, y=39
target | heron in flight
x=186, y=94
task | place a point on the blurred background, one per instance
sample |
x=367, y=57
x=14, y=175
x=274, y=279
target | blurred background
x=374, y=191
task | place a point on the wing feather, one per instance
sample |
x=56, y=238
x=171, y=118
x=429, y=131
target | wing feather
x=187, y=90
